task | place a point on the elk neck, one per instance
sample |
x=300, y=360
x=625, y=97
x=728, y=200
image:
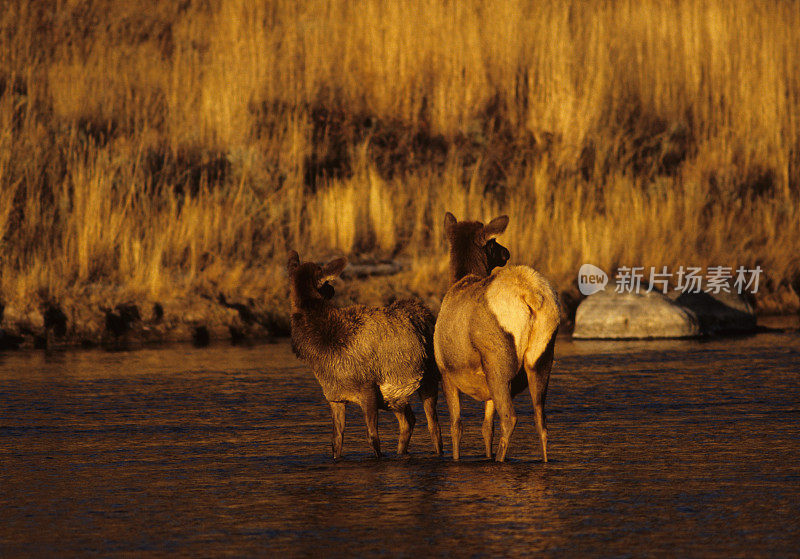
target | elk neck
x=467, y=258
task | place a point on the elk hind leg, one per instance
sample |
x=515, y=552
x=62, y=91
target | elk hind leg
x=369, y=405
x=538, y=378
x=406, y=421
x=499, y=370
x=488, y=428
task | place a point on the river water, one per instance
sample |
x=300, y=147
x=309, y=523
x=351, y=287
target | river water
x=673, y=448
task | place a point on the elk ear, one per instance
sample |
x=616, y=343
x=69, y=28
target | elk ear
x=495, y=227
x=292, y=261
x=333, y=268
x=449, y=221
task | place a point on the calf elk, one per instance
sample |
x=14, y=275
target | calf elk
x=495, y=333
x=376, y=357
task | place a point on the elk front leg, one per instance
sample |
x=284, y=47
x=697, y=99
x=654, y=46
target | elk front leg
x=453, y=397
x=338, y=415
x=488, y=427
x=369, y=404
x=406, y=421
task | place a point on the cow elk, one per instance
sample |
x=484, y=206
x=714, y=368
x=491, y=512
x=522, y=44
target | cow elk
x=495, y=333
x=376, y=357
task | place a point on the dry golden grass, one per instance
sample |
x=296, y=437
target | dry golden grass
x=148, y=153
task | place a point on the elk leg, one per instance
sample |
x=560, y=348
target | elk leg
x=406, y=421
x=338, y=415
x=369, y=404
x=538, y=377
x=495, y=366
x=488, y=427
x=428, y=393
x=453, y=398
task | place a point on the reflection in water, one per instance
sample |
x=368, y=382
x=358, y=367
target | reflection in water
x=675, y=447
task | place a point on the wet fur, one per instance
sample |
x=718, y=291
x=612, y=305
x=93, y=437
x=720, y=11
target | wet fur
x=351, y=347
x=372, y=356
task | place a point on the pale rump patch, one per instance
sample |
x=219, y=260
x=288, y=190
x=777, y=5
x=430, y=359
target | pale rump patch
x=516, y=296
x=393, y=393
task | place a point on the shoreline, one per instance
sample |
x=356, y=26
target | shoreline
x=133, y=326
x=201, y=321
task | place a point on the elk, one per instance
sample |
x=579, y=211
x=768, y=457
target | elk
x=495, y=333
x=376, y=357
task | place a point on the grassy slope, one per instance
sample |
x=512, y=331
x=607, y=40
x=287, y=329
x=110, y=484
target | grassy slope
x=172, y=153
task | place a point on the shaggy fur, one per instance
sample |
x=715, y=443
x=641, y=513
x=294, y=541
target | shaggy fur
x=495, y=334
x=375, y=357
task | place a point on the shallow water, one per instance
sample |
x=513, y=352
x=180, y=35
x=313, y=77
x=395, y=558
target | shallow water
x=679, y=448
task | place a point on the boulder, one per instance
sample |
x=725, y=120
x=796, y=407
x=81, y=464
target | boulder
x=611, y=315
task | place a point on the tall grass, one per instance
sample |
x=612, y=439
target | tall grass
x=151, y=151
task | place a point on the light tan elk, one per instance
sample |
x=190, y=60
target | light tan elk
x=376, y=357
x=495, y=333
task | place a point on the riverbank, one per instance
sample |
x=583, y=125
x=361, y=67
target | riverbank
x=160, y=157
x=109, y=317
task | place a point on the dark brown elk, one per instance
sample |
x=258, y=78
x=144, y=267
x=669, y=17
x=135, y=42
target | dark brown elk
x=495, y=333
x=376, y=357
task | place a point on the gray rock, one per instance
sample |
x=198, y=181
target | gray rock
x=611, y=315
